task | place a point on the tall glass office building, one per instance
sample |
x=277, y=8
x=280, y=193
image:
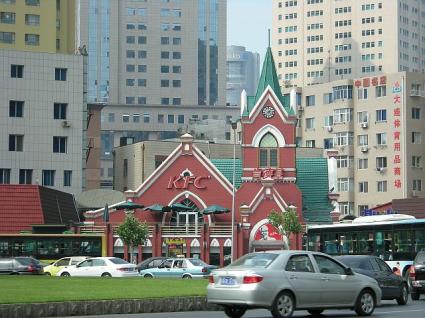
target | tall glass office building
x=145, y=52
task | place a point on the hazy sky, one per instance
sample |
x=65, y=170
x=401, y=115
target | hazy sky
x=248, y=22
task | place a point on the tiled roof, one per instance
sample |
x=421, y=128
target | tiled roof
x=225, y=166
x=312, y=179
x=268, y=78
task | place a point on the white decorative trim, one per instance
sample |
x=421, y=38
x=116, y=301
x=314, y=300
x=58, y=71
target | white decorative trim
x=268, y=129
x=290, y=169
x=195, y=243
x=118, y=243
x=228, y=243
x=249, y=169
x=280, y=110
x=214, y=243
x=148, y=243
x=290, y=146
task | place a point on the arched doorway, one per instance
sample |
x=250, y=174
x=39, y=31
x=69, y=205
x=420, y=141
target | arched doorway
x=189, y=217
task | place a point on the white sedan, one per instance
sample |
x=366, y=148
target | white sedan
x=101, y=267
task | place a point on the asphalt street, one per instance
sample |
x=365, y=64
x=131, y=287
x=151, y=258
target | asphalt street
x=389, y=309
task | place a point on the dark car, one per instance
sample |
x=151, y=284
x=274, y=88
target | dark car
x=393, y=286
x=20, y=266
x=417, y=276
x=151, y=262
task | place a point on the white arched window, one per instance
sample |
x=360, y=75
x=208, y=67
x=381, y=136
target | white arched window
x=268, y=156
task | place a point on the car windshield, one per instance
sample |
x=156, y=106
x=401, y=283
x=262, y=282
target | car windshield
x=118, y=261
x=255, y=260
x=27, y=260
x=197, y=262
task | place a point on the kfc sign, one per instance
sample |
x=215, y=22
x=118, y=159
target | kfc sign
x=183, y=182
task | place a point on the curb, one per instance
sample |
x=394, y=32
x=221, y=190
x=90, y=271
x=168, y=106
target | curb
x=106, y=307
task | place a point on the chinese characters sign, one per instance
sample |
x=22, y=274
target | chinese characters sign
x=375, y=81
x=396, y=130
x=269, y=173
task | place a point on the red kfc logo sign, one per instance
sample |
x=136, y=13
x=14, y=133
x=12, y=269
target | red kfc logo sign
x=183, y=182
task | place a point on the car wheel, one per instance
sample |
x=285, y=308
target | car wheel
x=415, y=295
x=404, y=296
x=148, y=276
x=65, y=274
x=283, y=305
x=106, y=275
x=234, y=312
x=48, y=274
x=365, y=304
x=187, y=277
x=315, y=312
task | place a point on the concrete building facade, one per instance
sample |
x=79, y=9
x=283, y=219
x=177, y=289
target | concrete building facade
x=243, y=71
x=43, y=120
x=373, y=128
x=38, y=25
x=128, y=124
x=318, y=41
x=155, y=52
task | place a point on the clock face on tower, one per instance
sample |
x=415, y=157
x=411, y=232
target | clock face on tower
x=268, y=112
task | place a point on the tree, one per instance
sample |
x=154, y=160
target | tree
x=132, y=232
x=287, y=222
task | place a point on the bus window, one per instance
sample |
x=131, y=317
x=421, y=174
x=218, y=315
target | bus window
x=403, y=245
x=419, y=240
x=314, y=243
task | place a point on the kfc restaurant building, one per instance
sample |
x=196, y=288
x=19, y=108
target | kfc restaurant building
x=265, y=180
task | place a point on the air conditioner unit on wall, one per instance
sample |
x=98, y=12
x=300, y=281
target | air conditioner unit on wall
x=364, y=149
x=380, y=169
x=66, y=124
x=364, y=124
x=329, y=128
x=414, y=194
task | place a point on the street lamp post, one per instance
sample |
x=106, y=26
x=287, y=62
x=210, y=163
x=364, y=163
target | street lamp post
x=234, y=126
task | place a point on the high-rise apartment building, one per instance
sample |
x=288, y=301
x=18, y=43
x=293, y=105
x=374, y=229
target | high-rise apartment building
x=318, y=41
x=163, y=52
x=373, y=129
x=38, y=25
x=243, y=72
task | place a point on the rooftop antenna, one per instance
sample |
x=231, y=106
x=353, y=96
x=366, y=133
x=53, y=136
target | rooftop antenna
x=269, y=37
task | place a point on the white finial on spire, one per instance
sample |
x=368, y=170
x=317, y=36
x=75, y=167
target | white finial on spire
x=243, y=101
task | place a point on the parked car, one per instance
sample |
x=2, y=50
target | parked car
x=417, y=276
x=20, y=266
x=181, y=268
x=284, y=281
x=102, y=267
x=55, y=267
x=393, y=286
x=150, y=262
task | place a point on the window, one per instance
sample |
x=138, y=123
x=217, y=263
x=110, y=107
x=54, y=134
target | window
x=381, y=162
x=67, y=178
x=165, y=40
x=7, y=37
x=328, y=143
x=329, y=121
x=343, y=115
x=177, y=41
x=60, y=74
x=59, y=111
x=180, y=119
x=299, y=263
x=177, y=69
x=177, y=55
x=381, y=91
x=130, y=39
x=416, y=138
x=329, y=266
x=165, y=101
x=344, y=161
x=146, y=118
x=362, y=208
x=16, y=143
x=363, y=163
x=165, y=83
x=130, y=100
x=32, y=19
x=381, y=115
x=165, y=69
x=16, y=71
x=141, y=100
x=417, y=185
x=382, y=186
x=416, y=113
x=16, y=108
x=177, y=101
x=310, y=100
x=362, y=93
x=344, y=184
x=160, y=118
x=141, y=82
x=309, y=123
x=363, y=187
x=7, y=17
x=131, y=54
x=142, y=54
x=343, y=138
x=142, y=68
x=25, y=176
x=48, y=178
x=136, y=118
x=381, y=139
x=170, y=119
x=32, y=2
x=165, y=55
x=130, y=82
x=362, y=117
x=417, y=161
x=141, y=39
x=268, y=155
x=125, y=118
x=4, y=176
x=59, y=144
x=176, y=83
x=32, y=39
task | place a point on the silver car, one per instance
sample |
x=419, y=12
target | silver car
x=284, y=281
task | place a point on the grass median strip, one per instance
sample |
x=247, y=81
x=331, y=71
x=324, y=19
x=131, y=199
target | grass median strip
x=35, y=289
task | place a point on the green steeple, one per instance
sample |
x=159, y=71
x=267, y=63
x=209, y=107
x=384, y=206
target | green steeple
x=268, y=78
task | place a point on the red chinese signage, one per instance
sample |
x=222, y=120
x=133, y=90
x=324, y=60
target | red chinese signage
x=267, y=232
x=375, y=81
x=397, y=123
x=183, y=182
x=269, y=173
